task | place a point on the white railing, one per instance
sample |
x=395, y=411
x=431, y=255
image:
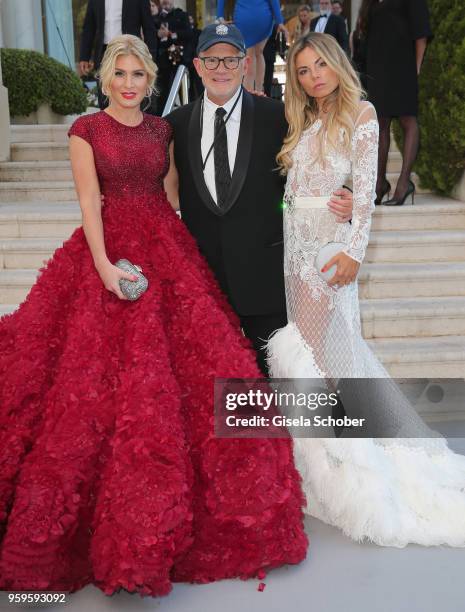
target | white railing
x=179, y=92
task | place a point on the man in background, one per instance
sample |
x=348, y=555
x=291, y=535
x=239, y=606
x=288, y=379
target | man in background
x=338, y=10
x=106, y=19
x=175, y=47
x=329, y=23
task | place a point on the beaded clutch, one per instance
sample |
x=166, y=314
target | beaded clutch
x=132, y=289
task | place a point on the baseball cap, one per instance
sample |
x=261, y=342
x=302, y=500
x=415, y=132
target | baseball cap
x=220, y=33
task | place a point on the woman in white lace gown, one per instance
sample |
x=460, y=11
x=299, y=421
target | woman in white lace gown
x=408, y=487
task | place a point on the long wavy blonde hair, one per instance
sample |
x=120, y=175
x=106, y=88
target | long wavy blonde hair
x=126, y=44
x=302, y=110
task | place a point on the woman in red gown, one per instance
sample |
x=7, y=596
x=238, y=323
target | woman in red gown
x=110, y=472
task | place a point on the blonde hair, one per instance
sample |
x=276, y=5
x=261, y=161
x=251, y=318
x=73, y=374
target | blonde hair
x=302, y=110
x=126, y=44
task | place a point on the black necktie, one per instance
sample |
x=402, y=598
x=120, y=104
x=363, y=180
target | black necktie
x=220, y=155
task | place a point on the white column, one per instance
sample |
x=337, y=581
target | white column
x=22, y=28
x=4, y=107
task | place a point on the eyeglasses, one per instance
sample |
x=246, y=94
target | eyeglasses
x=231, y=63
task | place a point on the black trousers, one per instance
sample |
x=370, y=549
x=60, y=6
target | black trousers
x=258, y=329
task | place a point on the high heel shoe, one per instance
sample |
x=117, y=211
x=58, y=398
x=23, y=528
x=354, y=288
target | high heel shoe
x=401, y=201
x=385, y=191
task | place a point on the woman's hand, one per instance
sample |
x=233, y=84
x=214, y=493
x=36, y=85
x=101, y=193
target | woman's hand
x=346, y=272
x=111, y=276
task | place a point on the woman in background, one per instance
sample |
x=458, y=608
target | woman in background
x=255, y=19
x=396, y=33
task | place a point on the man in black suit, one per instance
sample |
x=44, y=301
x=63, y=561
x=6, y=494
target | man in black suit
x=174, y=32
x=329, y=23
x=106, y=19
x=230, y=194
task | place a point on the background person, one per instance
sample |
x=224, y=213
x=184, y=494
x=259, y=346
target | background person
x=175, y=38
x=396, y=34
x=255, y=19
x=329, y=23
x=304, y=19
x=106, y=19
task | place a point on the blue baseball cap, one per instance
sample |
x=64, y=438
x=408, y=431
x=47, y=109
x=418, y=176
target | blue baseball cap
x=220, y=33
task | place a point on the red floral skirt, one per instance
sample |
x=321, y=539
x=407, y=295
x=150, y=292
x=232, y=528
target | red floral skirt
x=109, y=469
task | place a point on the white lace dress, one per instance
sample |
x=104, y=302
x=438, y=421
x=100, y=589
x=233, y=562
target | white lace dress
x=390, y=490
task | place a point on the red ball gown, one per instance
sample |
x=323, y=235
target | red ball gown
x=110, y=472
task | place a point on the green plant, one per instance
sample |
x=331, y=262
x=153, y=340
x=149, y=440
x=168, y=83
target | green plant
x=33, y=79
x=441, y=160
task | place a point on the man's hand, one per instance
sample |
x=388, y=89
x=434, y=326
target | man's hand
x=346, y=269
x=163, y=32
x=84, y=68
x=342, y=204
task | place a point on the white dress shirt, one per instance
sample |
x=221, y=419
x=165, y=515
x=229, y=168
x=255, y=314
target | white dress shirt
x=113, y=19
x=232, y=131
x=321, y=23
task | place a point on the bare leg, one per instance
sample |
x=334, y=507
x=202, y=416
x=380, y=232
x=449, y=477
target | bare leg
x=383, y=152
x=409, y=125
x=249, y=79
x=260, y=65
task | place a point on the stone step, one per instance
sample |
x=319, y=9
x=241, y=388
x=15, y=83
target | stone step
x=36, y=171
x=404, y=280
x=413, y=316
x=39, y=151
x=39, y=219
x=441, y=356
x=424, y=357
x=15, y=285
x=430, y=212
x=23, y=191
x=393, y=177
x=20, y=253
x=39, y=133
x=416, y=246
x=7, y=309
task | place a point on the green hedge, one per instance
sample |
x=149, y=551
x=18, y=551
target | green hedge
x=33, y=78
x=441, y=160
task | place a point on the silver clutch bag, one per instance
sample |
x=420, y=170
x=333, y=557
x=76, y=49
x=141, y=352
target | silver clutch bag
x=327, y=252
x=132, y=289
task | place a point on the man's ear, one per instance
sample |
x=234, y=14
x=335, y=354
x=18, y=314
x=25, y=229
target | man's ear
x=246, y=64
x=197, y=63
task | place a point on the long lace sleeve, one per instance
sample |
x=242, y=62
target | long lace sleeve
x=364, y=170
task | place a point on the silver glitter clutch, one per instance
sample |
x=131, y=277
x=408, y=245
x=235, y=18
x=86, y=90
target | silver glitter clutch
x=132, y=289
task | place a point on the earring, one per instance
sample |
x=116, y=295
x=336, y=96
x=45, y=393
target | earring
x=148, y=93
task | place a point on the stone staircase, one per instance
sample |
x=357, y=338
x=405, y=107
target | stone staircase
x=412, y=284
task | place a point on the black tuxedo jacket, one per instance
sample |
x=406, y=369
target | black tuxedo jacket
x=243, y=244
x=136, y=17
x=336, y=26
